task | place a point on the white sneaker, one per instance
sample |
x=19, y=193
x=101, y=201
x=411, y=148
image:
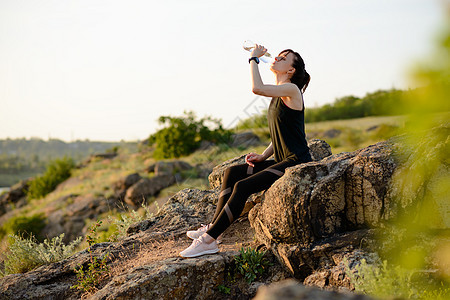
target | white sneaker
x=195, y=234
x=199, y=247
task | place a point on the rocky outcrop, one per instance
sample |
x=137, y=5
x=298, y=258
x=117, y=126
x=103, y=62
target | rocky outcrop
x=15, y=197
x=72, y=219
x=244, y=139
x=326, y=211
x=291, y=289
x=168, y=167
x=184, y=211
x=318, y=149
x=332, y=275
x=120, y=187
x=147, y=187
x=317, y=200
x=95, y=157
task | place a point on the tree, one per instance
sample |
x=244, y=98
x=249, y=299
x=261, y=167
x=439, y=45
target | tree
x=183, y=135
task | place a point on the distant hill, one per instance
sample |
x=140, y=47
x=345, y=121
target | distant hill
x=22, y=158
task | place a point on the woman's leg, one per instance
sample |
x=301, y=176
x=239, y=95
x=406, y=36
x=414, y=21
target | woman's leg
x=232, y=175
x=242, y=190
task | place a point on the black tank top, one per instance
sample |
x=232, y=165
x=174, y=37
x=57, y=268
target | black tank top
x=287, y=132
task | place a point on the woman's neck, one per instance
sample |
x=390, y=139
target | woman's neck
x=281, y=78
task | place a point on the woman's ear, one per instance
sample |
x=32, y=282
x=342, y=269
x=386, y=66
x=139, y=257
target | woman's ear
x=291, y=71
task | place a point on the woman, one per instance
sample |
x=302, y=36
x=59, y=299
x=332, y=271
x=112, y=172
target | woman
x=288, y=145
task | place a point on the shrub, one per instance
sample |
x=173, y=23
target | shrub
x=24, y=254
x=125, y=220
x=182, y=135
x=387, y=281
x=24, y=226
x=251, y=263
x=57, y=171
x=88, y=279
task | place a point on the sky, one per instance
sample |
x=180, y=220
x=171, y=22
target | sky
x=106, y=70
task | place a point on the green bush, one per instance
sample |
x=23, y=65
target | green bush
x=183, y=135
x=257, y=121
x=378, y=103
x=124, y=221
x=24, y=226
x=387, y=281
x=25, y=254
x=57, y=171
x=89, y=279
x=251, y=263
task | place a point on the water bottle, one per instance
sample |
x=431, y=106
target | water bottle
x=249, y=45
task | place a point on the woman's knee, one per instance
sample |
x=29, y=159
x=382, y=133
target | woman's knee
x=233, y=172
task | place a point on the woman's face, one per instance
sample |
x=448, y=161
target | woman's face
x=283, y=63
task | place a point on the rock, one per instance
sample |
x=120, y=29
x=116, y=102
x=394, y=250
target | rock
x=331, y=133
x=146, y=187
x=184, y=211
x=16, y=196
x=291, y=289
x=333, y=275
x=170, y=167
x=319, y=149
x=174, y=278
x=71, y=219
x=120, y=187
x=372, y=128
x=244, y=139
x=317, y=200
x=205, y=145
x=94, y=157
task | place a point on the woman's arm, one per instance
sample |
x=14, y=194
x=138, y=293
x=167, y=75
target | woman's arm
x=253, y=157
x=270, y=90
x=268, y=152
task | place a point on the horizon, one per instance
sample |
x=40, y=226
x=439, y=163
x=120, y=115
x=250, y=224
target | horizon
x=105, y=71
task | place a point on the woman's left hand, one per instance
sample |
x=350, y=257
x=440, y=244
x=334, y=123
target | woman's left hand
x=258, y=51
x=252, y=157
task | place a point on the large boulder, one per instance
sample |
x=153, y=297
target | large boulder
x=120, y=187
x=291, y=289
x=244, y=139
x=15, y=197
x=147, y=187
x=317, y=200
x=185, y=210
x=72, y=219
x=168, y=167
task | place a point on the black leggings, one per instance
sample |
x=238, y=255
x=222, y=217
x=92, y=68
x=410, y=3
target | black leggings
x=239, y=182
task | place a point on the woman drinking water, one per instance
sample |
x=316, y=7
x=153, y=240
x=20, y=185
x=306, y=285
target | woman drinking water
x=288, y=146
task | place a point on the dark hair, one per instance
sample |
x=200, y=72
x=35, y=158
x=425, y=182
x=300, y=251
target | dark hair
x=300, y=78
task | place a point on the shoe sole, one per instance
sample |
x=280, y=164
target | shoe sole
x=201, y=253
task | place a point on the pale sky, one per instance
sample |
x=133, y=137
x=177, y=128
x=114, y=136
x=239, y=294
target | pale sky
x=106, y=70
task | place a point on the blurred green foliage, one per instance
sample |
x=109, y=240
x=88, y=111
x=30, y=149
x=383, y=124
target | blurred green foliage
x=57, y=171
x=183, y=135
x=378, y=103
x=24, y=226
x=417, y=242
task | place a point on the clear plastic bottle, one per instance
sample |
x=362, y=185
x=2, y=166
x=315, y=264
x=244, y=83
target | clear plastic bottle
x=249, y=45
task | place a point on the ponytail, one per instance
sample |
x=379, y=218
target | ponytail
x=300, y=77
